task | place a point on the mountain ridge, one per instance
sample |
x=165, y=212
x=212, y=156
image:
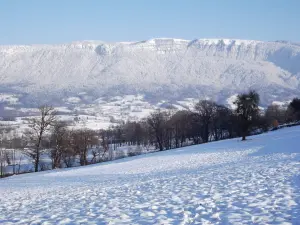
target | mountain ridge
x=159, y=68
x=209, y=40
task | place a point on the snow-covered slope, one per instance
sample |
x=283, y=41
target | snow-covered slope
x=169, y=69
x=225, y=182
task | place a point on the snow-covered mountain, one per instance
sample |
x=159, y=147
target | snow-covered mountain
x=159, y=69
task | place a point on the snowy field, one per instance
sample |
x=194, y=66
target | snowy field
x=225, y=182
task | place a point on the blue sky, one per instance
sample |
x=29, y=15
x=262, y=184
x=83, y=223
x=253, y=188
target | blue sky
x=60, y=21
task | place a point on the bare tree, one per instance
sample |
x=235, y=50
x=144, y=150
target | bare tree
x=59, y=143
x=17, y=146
x=39, y=126
x=221, y=123
x=157, y=122
x=2, y=162
x=104, y=142
x=82, y=140
x=133, y=133
x=276, y=114
x=205, y=110
x=5, y=159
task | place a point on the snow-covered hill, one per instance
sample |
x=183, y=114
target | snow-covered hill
x=225, y=182
x=168, y=69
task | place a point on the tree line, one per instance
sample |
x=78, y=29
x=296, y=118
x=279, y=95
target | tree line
x=162, y=130
x=207, y=121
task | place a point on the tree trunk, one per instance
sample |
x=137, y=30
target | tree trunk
x=244, y=130
x=1, y=164
x=84, y=156
x=37, y=161
x=244, y=137
x=160, y=144
x=37, y=158
x=206, y=133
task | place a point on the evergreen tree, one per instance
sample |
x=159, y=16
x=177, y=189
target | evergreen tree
x=247, y=110
x=294, y=108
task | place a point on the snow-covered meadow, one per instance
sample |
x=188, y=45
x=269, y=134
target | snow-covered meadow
x=225, y=182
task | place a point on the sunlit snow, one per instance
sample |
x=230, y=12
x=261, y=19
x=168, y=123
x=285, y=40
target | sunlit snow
x=225, y=182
